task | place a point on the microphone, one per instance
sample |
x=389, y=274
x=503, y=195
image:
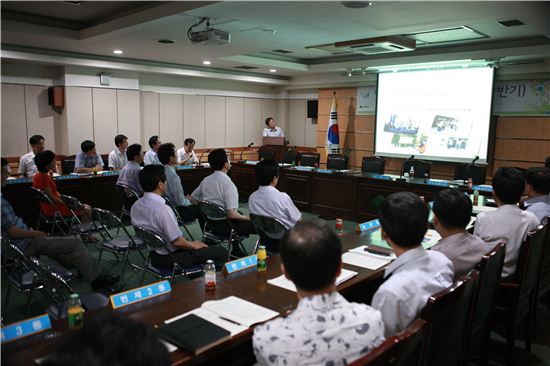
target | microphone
x=247, y=146
x=467, y=171
x=287, y=152
x=200, y=157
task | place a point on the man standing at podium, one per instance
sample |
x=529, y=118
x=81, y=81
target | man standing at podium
x=272, y=130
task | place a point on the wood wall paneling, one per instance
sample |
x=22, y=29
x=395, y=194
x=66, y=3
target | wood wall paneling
x=171, y=119
x=523, y=127
x=215, y=122
x=40, y=116
x=234, y=119
x=194, y=119
x=149, y=117
x=128, y=115
x=522, y=150
x=252, y=118
x=105, y=119
x=14, y=124
x=79, y=111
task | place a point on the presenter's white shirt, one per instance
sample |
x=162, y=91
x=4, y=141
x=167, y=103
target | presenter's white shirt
x=278, y=132
x=182, y=155
x=269, y=201
x=27, y=167
x=117, y=159
x=151, y=157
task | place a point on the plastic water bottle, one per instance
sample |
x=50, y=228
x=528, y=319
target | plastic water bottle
x=210, y=275
x=75, y=312
x=476, y=197
x=262, y=258
x=339, y=226
x=411, y=172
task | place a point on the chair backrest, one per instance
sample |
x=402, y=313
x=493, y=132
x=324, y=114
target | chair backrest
x=67, y=166
x=476, y=172
x=310, y=159
x=270, y=226
x=402, y=349
x=75, y=205
x=266, y=154
x=42, y=197
x=373, y=164
x=151, y=239
x=490, y=269
x=447, y=314
x=127, y=195
x=291, y=156
x=421, y=167
x=337, y=161
x=212, y=211
x=109, y=220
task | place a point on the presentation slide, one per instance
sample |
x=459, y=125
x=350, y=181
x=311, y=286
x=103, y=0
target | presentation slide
x=439, y=115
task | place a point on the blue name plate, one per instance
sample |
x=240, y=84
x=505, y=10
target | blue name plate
x=18, y=180
x=304, y=168
x=369, y=225
x=111, y=172
x=324, y=170
x=240, y=264
x=139, y=294
x=483, y=188
x=437, y=183
x=379, y=176
x=64, y=177
x=179, y=167
x=251, y=162
x=25, y=328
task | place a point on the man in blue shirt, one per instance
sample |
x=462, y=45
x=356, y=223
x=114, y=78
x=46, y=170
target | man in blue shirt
x=69, y=251
x=537, y=188
x=89, y=159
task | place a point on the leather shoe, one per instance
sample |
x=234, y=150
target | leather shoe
x=104, y=281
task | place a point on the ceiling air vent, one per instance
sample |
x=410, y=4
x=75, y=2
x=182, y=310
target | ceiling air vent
x=283, y=52
x=373, y=46
x=244, y=67
x=511, y=23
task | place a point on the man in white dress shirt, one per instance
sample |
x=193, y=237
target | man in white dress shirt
x=272, y=130
x=117, y=157
x=27, y=167
x=186, y=155
x=324, y=329
x=151, y=155
x=537, y=188
x=88, y=159
x=508, y=222
x=416, y=273
x=269, y=201
x=129, y=174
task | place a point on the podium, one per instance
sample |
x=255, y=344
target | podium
x=275, y=145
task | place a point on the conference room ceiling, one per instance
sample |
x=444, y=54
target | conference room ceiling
x=295, y=38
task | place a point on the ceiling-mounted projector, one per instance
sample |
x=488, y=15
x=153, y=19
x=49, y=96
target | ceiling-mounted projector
x=208, y=35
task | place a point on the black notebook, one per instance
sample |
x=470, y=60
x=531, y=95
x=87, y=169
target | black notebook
x=194, y=334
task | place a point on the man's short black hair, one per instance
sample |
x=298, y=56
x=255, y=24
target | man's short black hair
x=311, y=253
x=266, y=170
x=547, y=162
x=217, y=158
x=188, y=141
x=404, y=218
x=110, y=339
x=508, y=185
x=35, y=139
x=166, y=151
x=4, y=163
x=453, y=208
x=153, y=141
x=132, y=151
x=43, y=159
x=267, y=120
x=119, y=139
x=150, y=176
x=87, y=146
x=539, y=179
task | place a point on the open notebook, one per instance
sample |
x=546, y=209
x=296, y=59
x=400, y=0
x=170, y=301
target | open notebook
x=285, y=283
x=232, y=313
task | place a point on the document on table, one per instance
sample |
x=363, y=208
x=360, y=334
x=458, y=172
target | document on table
x=232, y=313
x=366, y=260
x=285, y=283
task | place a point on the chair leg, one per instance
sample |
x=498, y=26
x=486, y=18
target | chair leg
x=142, y=277
x=100, y=255
x=188, y=232
x=256, y=245
x=124, y=263
x=28, y=304
x=510, y=337
x=6, y=299
x=528, y=331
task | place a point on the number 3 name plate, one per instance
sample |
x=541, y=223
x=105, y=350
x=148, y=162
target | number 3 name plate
x=25, y=328
x=240, y=264
x=369, y=225
x=139, y=294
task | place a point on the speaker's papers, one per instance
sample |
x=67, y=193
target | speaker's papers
x=285, y=283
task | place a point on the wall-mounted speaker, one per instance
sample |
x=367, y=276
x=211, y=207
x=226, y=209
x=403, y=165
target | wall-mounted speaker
x=312, y=106
x=56, y=96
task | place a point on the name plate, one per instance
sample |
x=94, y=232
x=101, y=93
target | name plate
x=304, y=168
x=64, y=177
x=180, y=167
x=139, y=294
x=18, y=180
x=251, y=162
x=437, y=183
x=25, y=328
x=240, y=264
x=380, y=176
x=324, y=170
x=110, y=172
x=369, y=225
x=483, y=188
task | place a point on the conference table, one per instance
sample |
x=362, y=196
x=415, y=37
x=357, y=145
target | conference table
x=248, y=284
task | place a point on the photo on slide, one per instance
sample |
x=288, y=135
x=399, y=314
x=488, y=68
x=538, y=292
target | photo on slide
x=443, y=124
x=457, y=143
x=401, y=125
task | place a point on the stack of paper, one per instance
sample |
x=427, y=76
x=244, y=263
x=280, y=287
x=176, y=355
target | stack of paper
x=285, y=283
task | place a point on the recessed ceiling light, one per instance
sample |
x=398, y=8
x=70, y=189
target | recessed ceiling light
x=206, y=62
x=356, y=4
x=272, y=70
x=166, y=41
x=118, y=52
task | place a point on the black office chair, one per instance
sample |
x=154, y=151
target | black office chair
x=337, y=162
x=67, y=166
x=422, y=168
x=266, y=154
x=476, y=172
x=310, y=159
x=291, y=156
x=128, y=197
x=373, y=164
x=270, y=231
x=172, y=205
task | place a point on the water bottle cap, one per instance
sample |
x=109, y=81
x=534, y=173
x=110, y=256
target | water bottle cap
x=209, y=261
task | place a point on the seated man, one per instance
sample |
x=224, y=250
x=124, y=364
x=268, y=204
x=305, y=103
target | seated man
x=89, y=159
x=452, y=212
x=416, y=273
x=508, y=222
x=218, y=188
x=67, y=250
x=186, y=155
x=129, y=174
x=152, y=213
x=268, y=201
x=27, y=167
x=325, y=329
x=117, y=157
x=174, y=190
x=151, y=155
x=547, y=162
x=537, y=188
